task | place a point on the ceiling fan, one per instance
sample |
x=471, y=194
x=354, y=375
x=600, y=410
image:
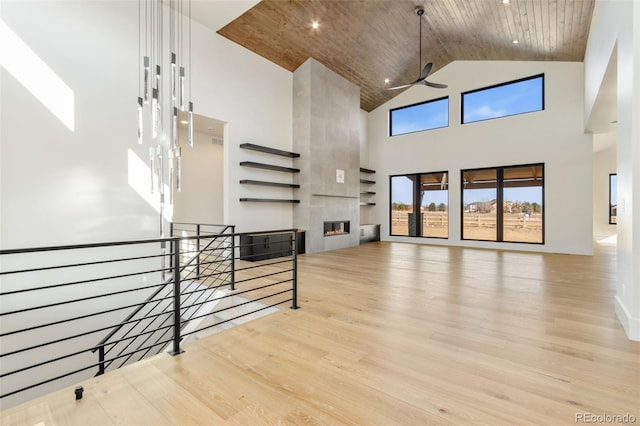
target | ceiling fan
x=427, y=68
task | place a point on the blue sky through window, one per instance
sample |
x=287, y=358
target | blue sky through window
x=402, y=192
x=416, y=118
x=504, y=100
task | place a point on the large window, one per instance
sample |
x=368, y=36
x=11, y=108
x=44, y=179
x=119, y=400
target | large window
x=420, y=205
x=428, y=115
x=503, y=204
x=613, y=199
x=502, y=100
x=479, y=199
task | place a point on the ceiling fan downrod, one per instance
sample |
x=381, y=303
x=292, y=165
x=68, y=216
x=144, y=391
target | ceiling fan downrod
x=423, y=72
x=420, y=12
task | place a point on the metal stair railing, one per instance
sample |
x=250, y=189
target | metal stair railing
x=154, y=347
x=189, y=292
x=58, y=301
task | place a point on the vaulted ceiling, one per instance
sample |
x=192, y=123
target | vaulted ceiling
x=368, y=41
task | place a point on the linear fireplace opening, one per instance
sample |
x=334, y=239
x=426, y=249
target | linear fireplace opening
x=336, y=228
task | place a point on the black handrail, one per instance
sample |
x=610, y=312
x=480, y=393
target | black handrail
x=53, y=355
x=91, y=245
x=133, y=324
x=206, y=249
x=155, y=293
x=205, y=224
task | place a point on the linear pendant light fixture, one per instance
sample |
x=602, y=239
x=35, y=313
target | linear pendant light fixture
x=161, y=98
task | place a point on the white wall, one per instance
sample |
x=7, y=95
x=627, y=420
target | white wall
x=69, y=186
x=201, y=199
x=62, y=186
x=90, y=182
x=254, y=97
x=604, y=163
x=616, y=24
x=554, y=137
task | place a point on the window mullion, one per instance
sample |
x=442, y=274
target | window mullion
x=417, y=200
x=499, y=204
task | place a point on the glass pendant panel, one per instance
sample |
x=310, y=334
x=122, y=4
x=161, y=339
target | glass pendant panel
x=140, y=120
x=181, y=93
x=178, y=169
x=174, y=78
x=190, y=124
x=146, y=80
x=152, y=160
x=155, y=114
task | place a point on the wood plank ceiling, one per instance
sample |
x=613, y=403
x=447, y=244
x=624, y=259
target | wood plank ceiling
x=367, y=41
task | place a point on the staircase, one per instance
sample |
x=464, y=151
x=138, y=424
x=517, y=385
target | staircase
x=70, y=310
x=149, y=328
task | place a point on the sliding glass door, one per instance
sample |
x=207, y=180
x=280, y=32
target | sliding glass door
x=503, y=204
x=420, y=205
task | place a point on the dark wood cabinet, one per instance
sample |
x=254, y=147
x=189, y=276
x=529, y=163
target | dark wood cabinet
x=254, y=247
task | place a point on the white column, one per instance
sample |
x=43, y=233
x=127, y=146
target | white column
x=628, y=287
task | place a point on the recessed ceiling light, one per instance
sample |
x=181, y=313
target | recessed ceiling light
x=315, y=25
x=184, y=122
x=386, y=80
x=506, y=1
x=515, y=42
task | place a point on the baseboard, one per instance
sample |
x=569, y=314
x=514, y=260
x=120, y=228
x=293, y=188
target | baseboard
x=630, y=324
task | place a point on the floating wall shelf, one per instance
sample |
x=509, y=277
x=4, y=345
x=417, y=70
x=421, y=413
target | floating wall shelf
x=265, y=183
x=268, y=150
x=269, y=167
x=269, y=200
x=364, y=195
x=272, y=151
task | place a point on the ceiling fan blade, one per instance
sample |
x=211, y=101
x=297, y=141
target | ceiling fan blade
x=436, y=85
x=425, y=71
x=400, y=87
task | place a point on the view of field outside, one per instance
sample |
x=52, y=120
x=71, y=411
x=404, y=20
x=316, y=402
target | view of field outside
x=479, y=219
x=523, y=214
x=434, y=207
x=401, y=204
x=522, y=208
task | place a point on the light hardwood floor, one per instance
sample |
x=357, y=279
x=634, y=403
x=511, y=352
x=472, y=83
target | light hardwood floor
x=392, y=334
